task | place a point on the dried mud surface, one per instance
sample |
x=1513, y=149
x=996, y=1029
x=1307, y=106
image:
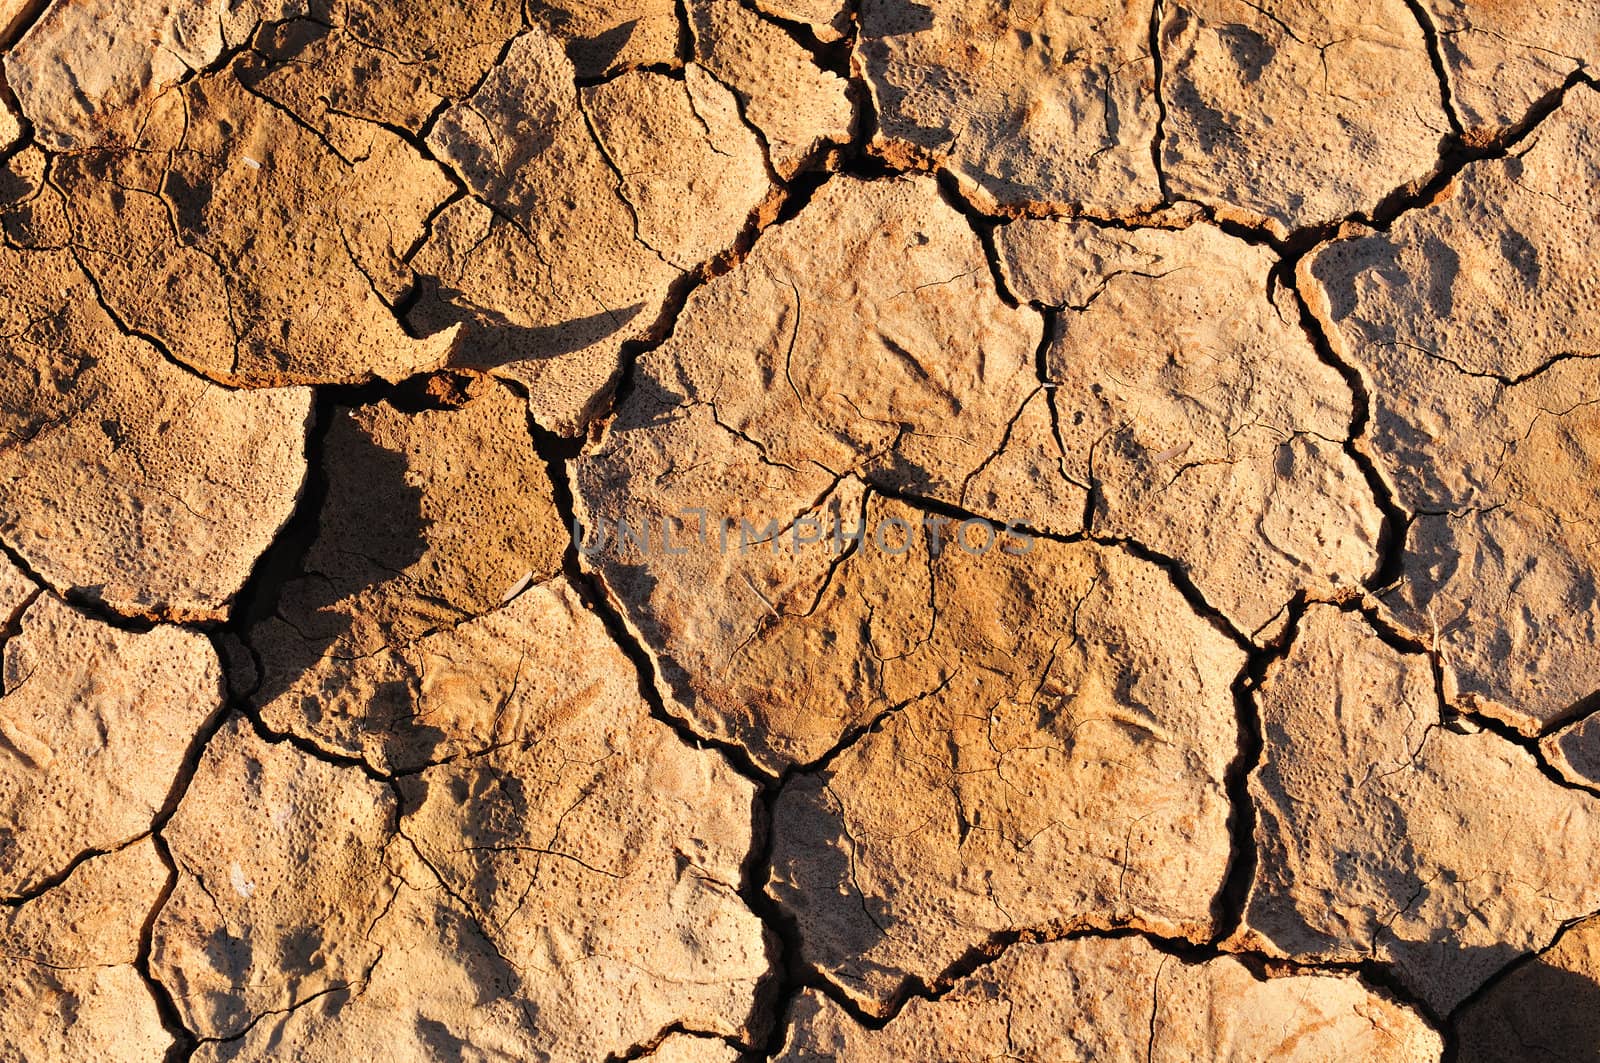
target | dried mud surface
x=731, y=530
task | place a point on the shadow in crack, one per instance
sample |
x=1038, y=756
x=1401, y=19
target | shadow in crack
x=325, y=644
x=625, y=571
x=814, y=875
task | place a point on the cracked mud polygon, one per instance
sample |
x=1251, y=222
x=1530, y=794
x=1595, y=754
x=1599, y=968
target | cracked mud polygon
x=729, y=530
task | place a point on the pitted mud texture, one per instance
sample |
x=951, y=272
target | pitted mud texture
x=741, y=530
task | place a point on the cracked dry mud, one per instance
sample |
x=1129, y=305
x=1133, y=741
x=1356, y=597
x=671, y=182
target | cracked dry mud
x=734, y=530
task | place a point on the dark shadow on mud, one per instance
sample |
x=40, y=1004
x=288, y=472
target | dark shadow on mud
x=358, y=529
x=491, y=340
x=1538, y=1013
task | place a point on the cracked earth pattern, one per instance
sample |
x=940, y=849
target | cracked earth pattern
x=730, y=530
